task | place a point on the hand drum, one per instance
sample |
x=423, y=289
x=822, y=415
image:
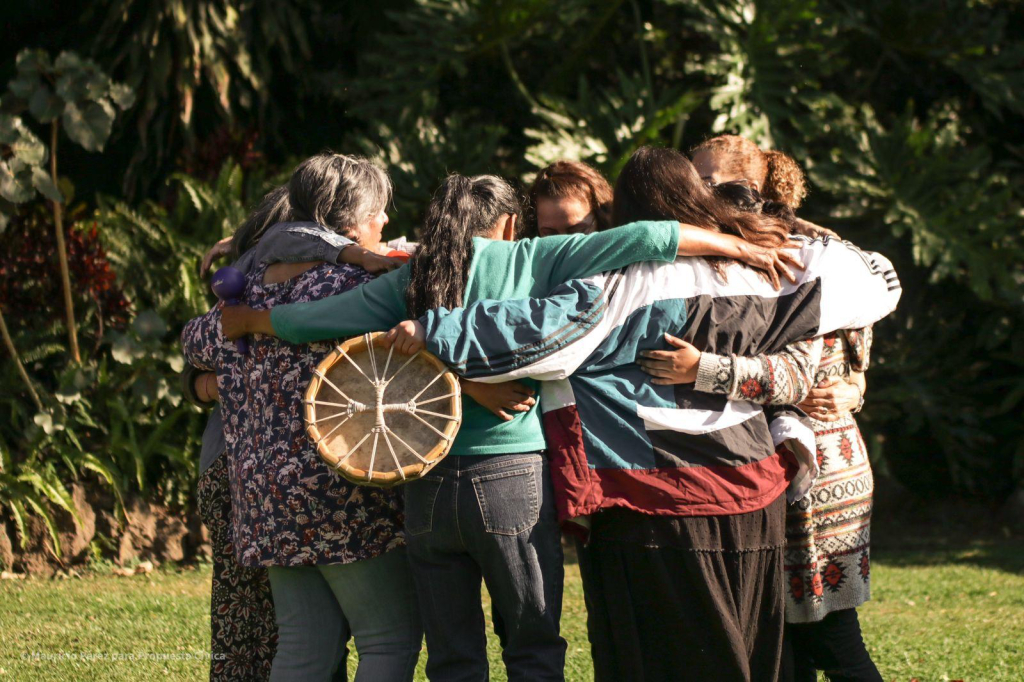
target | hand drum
x=380, y=418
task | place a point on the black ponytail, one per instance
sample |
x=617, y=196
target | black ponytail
x=462, y=208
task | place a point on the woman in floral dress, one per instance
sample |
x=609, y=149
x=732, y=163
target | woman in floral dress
x=334, y=550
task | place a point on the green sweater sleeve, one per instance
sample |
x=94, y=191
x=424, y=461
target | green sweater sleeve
x=559, y=259
x=374, y=306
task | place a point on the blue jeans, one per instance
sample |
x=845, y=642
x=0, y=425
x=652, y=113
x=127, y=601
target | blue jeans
x=491, y=518
x=318, y=605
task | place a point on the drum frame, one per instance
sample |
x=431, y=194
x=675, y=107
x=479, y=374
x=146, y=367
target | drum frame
x=343, y=353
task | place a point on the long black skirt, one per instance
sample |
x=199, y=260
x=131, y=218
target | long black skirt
x=685, y=598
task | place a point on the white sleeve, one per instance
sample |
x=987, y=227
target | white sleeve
x=858, y=288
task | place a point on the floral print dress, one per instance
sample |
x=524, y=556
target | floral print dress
x=243, y=631
x=288, y=507
x=828, y=533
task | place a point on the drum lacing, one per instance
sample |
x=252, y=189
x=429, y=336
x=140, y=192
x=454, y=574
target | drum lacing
x=380, y=382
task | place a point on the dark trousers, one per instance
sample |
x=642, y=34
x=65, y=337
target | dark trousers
x=677, y=598
x=489, y=518
x=834, y=645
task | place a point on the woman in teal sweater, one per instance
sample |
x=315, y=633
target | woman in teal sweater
x=486, y=511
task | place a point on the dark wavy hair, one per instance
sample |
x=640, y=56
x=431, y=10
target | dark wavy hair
x=462, y=208
x=661, y=184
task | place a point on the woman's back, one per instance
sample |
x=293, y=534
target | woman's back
x=300, y=512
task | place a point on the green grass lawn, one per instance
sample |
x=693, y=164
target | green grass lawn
x=940, y=612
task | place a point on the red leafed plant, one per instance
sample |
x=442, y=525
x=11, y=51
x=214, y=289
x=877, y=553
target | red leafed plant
x=31, y=296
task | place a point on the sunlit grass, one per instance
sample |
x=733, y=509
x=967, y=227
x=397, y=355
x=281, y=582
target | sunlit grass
x=938, y=613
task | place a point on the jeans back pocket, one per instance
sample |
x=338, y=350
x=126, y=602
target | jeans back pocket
x=509, y=500
x=420, y=498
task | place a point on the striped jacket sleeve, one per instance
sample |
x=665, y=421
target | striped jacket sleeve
x=550, y=338
x=541, y=338
x=858, y=288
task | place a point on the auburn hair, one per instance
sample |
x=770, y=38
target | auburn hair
x=576, y=180
x=778, y=176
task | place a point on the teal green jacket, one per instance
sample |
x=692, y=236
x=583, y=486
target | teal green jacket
x=499, y=270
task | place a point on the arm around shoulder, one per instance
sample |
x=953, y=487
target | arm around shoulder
x=375, y=306
x=577, y=256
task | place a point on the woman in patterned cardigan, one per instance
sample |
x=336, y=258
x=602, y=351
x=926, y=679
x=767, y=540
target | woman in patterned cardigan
x=827, y=560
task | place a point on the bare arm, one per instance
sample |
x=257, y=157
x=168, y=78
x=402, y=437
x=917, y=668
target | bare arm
x=774, y=262
x=501, y=399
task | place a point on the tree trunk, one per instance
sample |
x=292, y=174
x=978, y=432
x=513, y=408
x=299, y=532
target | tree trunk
x=9, y=342
x=62, y=254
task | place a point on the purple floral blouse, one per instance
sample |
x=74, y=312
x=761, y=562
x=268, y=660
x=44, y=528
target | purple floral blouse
x=289, y=508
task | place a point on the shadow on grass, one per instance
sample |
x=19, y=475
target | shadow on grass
x=910, y=532
x=1003, y=555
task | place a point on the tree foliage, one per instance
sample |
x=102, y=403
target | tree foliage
x=907, y=118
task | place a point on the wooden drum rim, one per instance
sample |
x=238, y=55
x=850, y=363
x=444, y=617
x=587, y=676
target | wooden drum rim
x=357, y=345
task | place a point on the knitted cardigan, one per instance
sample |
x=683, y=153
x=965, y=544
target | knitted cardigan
x=828, y=533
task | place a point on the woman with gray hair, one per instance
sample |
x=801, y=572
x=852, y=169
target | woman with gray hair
x=334, y=193
x=335, y=552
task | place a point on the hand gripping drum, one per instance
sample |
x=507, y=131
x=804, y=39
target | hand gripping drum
x=380, y=418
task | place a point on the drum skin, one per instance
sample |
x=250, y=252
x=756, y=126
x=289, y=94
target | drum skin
x=380, y=418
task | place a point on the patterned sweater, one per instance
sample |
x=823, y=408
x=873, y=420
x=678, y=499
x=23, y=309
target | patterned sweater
x=617, y=440
x=828, y=533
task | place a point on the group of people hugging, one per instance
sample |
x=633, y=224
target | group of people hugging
x=664, y=375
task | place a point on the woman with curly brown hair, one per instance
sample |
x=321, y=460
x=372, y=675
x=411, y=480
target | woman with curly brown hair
x=728, y=158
